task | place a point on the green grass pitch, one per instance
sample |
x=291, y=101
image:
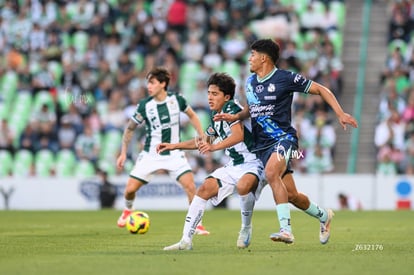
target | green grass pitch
x=88, y=242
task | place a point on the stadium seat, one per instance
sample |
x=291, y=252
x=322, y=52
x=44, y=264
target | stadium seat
x=44, y=163
x=80, y=40
x=336, y=38
x=56, y=69
x=4, y=109
x=340, y=10
x=138, y=60
x=397, y=43
x=107, y=166
x=43, y=97
x=84, y=169
x=22, y=165
x=111, y=145
x=65, y=163
x=232, y=68
x=6, y=161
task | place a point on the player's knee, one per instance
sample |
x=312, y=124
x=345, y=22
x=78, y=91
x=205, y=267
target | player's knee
x=242, y=189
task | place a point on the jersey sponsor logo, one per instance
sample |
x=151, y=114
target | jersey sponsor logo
x=271, y=88
x=261, y=110
x=259, y=89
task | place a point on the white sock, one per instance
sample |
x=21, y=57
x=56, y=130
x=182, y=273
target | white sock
x=246, y=209
x=129, y=204
x=194, y=215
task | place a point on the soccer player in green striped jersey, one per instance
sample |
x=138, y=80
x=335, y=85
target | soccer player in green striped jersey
x=242, y=174
x=160, y=112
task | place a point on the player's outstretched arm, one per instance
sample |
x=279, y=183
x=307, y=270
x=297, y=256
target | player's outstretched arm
x=242, y=115
x=190, y=144
x=126, y=138
x=343, y=118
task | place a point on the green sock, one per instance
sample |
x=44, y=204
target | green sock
x=315, y=211
x=283, y=213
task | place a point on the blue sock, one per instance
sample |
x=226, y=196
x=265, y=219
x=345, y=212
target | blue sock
x=315, y=211
x=283, y=213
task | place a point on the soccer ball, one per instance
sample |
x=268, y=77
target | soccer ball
x=138, y=222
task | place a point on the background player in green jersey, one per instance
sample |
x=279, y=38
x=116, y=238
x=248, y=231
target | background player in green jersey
x=160, y=112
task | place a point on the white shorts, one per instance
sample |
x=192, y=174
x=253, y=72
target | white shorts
x=176, y=164
x=229, y=175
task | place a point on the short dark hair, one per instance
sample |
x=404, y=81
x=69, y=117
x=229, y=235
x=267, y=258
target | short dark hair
x=267, y=46
x=224, y=82
x=161, y=74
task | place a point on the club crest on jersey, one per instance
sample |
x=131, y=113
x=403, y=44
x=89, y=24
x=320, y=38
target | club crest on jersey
x=271, y=88
x=210, y=131
x=259, y=89
x=172, y=104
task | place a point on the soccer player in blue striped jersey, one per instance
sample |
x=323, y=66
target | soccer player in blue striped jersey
x=269, y=94
x=243, y=174
x=160, y=112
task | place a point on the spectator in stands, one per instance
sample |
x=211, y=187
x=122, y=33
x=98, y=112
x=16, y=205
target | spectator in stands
x=6, y=136
x=43, y=79
x=114, y=117
x=126, y=70
x=44, y=119
x=390, y=132
x=87, y=145
x=399, y=27
x=28, y=139
x=388, y=160
x=66, y=134
x=391, y=101
x=177, y=16
x=318, y=161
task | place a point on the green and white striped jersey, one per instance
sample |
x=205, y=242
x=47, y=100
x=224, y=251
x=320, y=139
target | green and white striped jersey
x=162, y=120
x=241, y=152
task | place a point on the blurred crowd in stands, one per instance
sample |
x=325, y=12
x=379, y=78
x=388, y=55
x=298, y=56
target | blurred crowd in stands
x=73, y=72
x=394, y=133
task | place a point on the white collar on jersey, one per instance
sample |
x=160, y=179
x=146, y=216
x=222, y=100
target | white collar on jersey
x=266, y=76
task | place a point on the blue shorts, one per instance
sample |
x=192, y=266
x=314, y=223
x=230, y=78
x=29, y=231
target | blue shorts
x=285, y=148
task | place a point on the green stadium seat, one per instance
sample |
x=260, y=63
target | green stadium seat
x=44, y=163
x=65, y=163
x=57, y=70
x=107, y=166
x=336, y=38
x=138, y=60
x=398, y=43
x=84, y=169
x=43, y=97
x=9, y=81
x=111, y=145
x=232, y=68
x=80, y=40
x=340, y=10
x=22, y=165
x=4, y=109
x=6, y=163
